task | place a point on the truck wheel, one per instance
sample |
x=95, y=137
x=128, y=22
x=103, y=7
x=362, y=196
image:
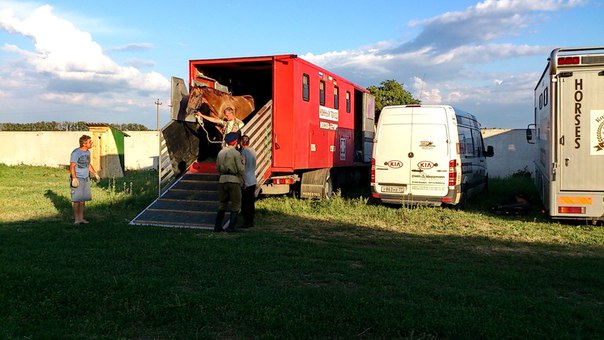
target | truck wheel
x=327, y=188
x=295, y=191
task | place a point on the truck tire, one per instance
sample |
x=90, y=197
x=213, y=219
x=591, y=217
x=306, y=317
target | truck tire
x=327, y=188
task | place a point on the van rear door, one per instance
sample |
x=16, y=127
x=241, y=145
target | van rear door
x=392, y=171
x=429, y=159
x=412, y=154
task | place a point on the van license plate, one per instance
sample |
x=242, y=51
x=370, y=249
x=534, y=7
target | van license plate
x=393, y=189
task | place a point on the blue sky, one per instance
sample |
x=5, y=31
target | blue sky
x=109, y=61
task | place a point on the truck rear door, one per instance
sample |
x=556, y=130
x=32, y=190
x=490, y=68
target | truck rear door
x=581, y=160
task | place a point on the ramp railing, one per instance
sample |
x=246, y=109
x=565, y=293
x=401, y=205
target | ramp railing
x=260, y=131
x=165, y=168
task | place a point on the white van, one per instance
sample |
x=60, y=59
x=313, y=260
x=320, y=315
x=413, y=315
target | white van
x=428, y=155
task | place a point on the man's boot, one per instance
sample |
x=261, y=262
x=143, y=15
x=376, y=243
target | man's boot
x=219, y=218
x=232, y=222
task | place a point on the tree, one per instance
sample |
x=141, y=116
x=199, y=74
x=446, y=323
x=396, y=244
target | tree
x=390, y=92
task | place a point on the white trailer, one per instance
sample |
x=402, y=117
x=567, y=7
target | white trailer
x=569, y=133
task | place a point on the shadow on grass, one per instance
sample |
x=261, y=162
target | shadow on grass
x=291, y=277
x=61, y=203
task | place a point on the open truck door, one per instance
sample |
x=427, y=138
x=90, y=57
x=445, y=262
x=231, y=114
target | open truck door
x=179, y=96
x=179, y=139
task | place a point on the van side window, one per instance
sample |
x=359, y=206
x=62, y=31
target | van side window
x=336, y=98
x=322, y=93
x=305, y=87
x=478, y=142
x=465, y=142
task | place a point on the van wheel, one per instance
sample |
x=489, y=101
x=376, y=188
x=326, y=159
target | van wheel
x=463, y=201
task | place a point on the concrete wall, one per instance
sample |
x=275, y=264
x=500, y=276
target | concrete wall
x=52, y=148
x=141, y=150
x=512, y=152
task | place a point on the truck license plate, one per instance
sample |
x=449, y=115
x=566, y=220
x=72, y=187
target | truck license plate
x=393, y=189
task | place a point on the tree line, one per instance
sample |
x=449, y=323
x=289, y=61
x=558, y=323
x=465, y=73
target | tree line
x=66, y=126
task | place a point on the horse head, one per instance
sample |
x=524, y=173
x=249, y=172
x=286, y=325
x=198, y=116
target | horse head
x=198, y=102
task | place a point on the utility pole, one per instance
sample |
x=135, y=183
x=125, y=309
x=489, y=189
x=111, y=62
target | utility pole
x=157, y=104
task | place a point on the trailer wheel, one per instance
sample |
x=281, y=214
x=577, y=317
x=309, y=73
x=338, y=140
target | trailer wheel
x=295, y=191
x=327, y=188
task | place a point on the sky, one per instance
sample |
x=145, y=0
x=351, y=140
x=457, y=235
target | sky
x=110, y=61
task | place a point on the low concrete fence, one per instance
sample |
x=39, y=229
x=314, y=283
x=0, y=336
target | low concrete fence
x=53, y=148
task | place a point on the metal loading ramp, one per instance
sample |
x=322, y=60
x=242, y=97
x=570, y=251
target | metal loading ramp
x=191, y=202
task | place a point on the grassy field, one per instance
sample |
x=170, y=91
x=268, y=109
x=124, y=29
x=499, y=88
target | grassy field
x=343, y=268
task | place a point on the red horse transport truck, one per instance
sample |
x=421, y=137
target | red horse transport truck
x=569, y=134
x=312, y=129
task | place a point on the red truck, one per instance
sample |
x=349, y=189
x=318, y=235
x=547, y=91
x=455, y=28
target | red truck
x=311, y=128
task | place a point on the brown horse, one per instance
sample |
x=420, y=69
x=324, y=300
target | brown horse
x=212, y=102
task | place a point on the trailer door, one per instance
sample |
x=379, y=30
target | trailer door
x=581, y=161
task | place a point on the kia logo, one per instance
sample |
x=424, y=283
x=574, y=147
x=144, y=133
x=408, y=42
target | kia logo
x=426, y=165
x=394, y=164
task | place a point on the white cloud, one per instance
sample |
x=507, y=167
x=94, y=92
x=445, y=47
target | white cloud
x=69, y=66
x=139, y=63
x=130, y=47
x=484, y=22
x=427, y=95
x=61, y=48
x=446, y=62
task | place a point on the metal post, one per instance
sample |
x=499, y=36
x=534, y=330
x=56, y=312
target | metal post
x=157, y=104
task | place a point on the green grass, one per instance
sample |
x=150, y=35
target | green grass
x=343, y=268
